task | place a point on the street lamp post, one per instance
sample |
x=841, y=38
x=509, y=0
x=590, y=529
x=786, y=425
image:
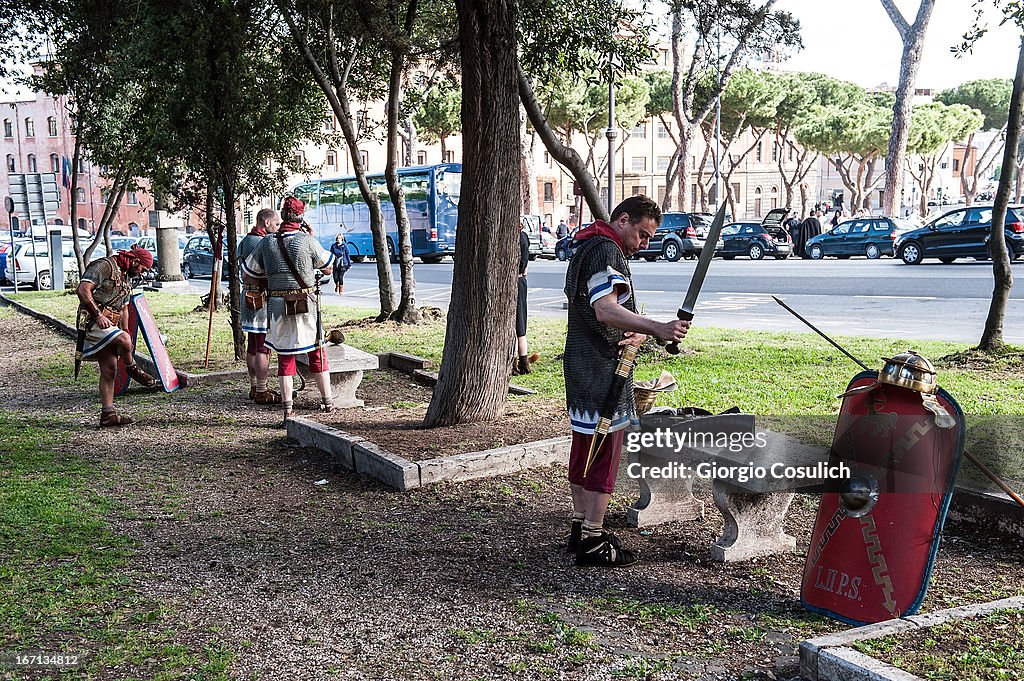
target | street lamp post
x=718, y=124
x=611, y=133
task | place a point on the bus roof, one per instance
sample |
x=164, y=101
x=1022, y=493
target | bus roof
x=454, y=167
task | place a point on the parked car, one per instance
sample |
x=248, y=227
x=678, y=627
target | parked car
x=123, y=243
x=757, y=239
x=870, y=237
x=531, y=225
x=4, y=247
x=547, y=243
x=198, y=257
x=32, y=254
x=680, y=235
x=565, y=246
x=149, y=243
x=961, y=233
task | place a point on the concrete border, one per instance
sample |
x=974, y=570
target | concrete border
x=352, y=452
x=987, y=510
x=830, y=658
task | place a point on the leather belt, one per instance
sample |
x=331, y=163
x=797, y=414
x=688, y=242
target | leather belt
x=288, y=292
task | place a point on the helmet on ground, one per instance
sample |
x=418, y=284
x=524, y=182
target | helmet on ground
x=909, y=370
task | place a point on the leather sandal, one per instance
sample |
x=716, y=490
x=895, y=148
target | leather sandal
x=327, y=407
x=110, y=419
x=140, y=376
x=267, y=397
x=604, y=550
x=288, y=413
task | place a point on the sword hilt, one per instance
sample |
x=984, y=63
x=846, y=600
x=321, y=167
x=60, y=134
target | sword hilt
x=686, y=316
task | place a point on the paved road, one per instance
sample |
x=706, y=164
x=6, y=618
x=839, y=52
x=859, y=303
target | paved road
x=879, y=298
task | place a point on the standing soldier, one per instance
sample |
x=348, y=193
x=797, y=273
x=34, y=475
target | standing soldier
x=254, y=312
x=602, y=319
x=289, y=261
x=104, y=294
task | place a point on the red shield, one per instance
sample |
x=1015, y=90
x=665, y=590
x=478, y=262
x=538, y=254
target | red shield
x=140, y=316
x=166, y=374
x=121, y=377
x=875, y=540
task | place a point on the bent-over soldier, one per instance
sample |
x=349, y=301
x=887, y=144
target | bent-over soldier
x=254, y=312
x=602, y=319
x=289, y=261
x=104, y=293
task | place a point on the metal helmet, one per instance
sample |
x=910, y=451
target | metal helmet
x=909, y=370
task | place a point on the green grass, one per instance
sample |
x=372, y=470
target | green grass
x=981, y=649
x=760, y=372
x=63, y=581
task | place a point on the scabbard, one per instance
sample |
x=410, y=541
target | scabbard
x=627, y=360
x=82, y=325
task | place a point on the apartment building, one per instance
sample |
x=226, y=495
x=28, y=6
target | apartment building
x=36, y=138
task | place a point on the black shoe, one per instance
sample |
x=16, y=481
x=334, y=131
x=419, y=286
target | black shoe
x=575, y=532
x=603, y=550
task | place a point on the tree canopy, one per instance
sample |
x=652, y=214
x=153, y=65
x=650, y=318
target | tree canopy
x=989, y=96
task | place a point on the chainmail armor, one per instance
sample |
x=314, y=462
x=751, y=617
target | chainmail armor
x=591, y=348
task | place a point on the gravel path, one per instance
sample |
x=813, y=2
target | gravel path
x=467, y=581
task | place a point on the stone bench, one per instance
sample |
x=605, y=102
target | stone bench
x=753, y=511
x=345, y=365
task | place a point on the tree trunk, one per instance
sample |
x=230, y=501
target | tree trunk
x=968, y=188
x=981, y=165
x=406, y=312
x=475, y=366
x=670, y=181
x=412, y=141
x=913, y=44
x=992, y=337
x=683, y=176
x=73, y=189
x=234, y=284
x=332, y=78
x=565, y=155
x=527, y=178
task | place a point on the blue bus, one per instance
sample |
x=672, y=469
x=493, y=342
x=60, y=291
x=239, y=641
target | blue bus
x=335, y=205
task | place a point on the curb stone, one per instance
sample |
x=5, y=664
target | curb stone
x=829, y=658
x=847, y=664
x=353, y=452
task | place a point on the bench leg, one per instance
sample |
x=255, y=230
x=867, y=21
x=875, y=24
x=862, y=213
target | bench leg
x=343, y=387
x=753, y=524
x=662, y=500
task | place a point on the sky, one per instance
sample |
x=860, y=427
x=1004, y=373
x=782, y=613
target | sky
x=855, y=40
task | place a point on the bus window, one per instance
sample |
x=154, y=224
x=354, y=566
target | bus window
x=449, y=183
x=307, y=194
x=379, y=186
x=415, y=186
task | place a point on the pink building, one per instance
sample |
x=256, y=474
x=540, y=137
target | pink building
x=36, y=137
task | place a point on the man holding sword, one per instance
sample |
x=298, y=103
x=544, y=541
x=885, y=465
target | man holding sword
x=602, y=321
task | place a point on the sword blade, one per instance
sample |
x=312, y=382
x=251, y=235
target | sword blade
x=707, y=254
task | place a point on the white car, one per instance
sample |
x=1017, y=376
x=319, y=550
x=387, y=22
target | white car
x=27, y=254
